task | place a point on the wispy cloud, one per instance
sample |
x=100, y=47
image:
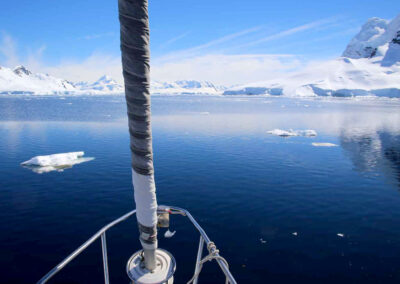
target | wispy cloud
x=174, y=39
x=8, y=52
x=193, y=51
x=88, y=69
x=289, y=32
x=96, y=36
x=225, y=69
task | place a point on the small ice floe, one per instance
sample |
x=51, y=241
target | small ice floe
x=294, y=233
x=340, y=235
x=307, y=133
x=324, y=144
x=168, y=234
x=55, y=162
x=291, y=132
x=262, y=241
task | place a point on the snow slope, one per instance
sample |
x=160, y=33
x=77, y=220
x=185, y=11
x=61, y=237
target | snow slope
x=21, y=80
x=342, y=77
x=370, y=66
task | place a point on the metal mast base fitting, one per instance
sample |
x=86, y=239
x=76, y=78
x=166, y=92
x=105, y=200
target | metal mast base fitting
x=163, y=274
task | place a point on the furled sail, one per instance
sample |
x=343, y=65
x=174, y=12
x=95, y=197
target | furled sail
x=135, y=49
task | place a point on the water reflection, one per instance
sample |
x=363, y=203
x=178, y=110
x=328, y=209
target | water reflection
x=377, y=151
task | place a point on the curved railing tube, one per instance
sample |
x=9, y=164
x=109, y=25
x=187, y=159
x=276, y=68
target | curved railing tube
x=101, y=234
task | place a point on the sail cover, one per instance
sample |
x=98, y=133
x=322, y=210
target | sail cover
x=135, y=49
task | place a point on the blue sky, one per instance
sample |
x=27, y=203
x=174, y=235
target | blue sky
x=68, y=38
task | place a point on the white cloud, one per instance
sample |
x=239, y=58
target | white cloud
x=89, y=69
x=225, y=69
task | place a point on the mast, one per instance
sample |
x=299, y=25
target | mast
x=135, y=50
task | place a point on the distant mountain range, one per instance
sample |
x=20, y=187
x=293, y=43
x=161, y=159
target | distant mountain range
x=22, y=81
x=369, y=66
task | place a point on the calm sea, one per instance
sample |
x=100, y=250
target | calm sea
x=279, y=209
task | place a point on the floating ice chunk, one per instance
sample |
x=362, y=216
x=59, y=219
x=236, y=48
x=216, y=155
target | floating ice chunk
x=282, y=133
x=55, y=162
x=294, y=233
x=262, y=241
x=340, y=235
x=291, y=133
x=307, y=133
x=168, y=234
x=320, y=144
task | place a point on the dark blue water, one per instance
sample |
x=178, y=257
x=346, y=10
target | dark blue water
x=214, y=157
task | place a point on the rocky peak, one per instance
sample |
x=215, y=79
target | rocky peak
x=396, y=40
x=21, y=70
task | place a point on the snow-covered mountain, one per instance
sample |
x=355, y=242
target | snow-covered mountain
x=370, y=66
x=104, y=85
x=22, y=81
x=377, y=38
x=185, y=87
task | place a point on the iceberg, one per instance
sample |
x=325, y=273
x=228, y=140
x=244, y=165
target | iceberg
x=55, y=162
